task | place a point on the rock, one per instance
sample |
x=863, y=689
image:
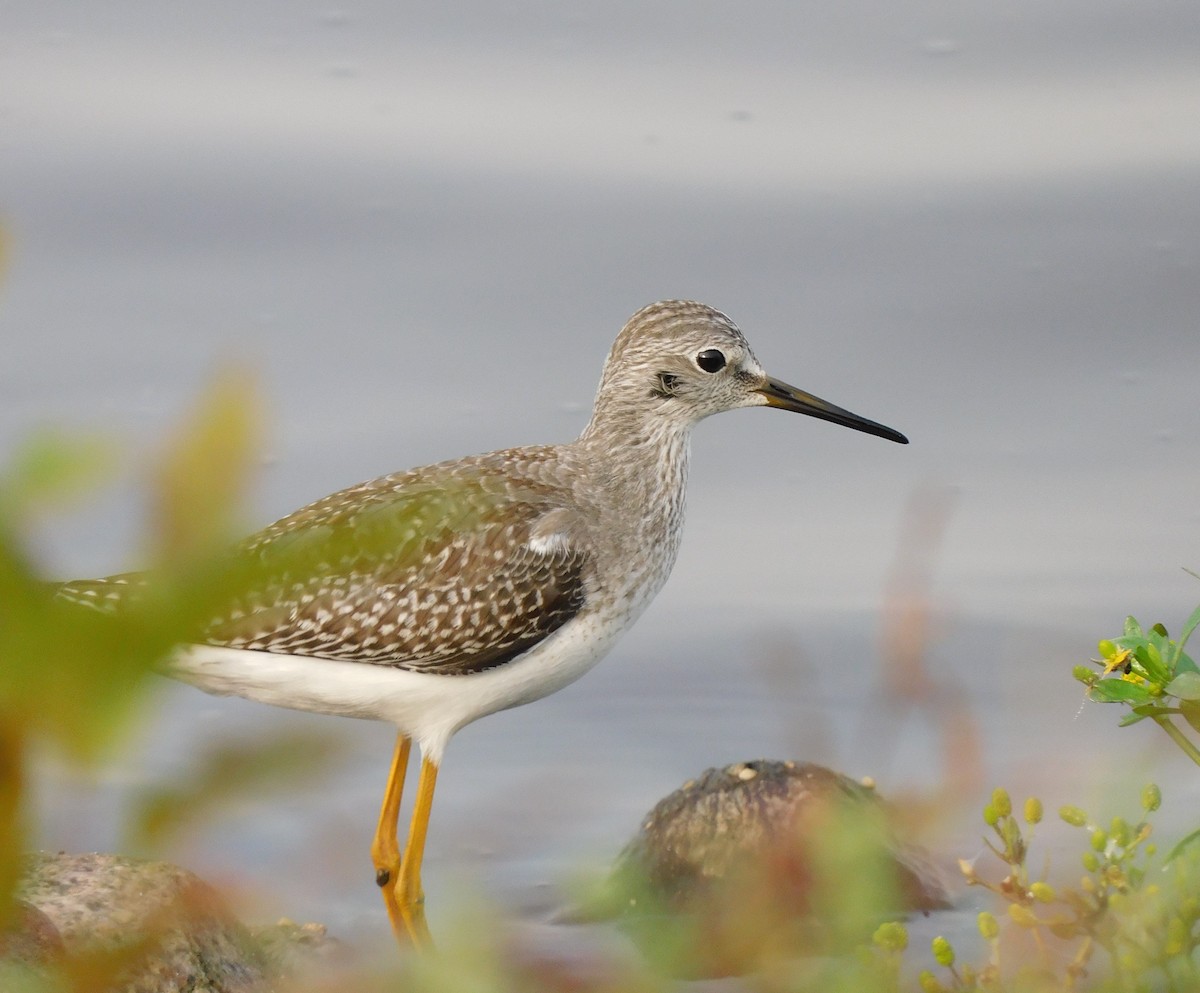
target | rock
x=151, y=927
x=31, y=941
x=757, y=852
x=293, y=949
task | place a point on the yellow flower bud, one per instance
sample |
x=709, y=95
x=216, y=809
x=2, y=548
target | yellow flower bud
x=891, y=936
x=988, y=925
x=1022, y=916
x=929, y=982
x=1073, y=816
x=1001, y=801
x=1151, y=797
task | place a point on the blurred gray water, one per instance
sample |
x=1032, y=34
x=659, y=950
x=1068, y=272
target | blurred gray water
x=422, y=226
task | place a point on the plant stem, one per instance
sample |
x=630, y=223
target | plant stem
x=1178, y=737
x=12, y=798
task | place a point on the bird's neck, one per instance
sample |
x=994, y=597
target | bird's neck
x=643, y=463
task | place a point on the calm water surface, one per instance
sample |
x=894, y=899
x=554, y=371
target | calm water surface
x=422, y=231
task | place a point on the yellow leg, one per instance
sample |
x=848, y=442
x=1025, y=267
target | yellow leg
x=409, y=895
x=385, y=849
x=400, y=878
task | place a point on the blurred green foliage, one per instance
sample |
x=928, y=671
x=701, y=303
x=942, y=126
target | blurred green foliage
x=1128, y=924
x=74, y=677
x=223, y=773
x=820, y=894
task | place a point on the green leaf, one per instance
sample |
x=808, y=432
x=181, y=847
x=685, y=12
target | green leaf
x=1186, y=686
x=1184, y=663
x=1119, y=691
x=1132, y=718
x=1151, y=709
x=1133, y=628
x=1191, y=714
x=1152, y=660
x=203, y=476
x=1189, y=626
x=1185, y=843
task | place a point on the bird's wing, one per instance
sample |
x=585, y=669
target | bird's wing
x=444, y=571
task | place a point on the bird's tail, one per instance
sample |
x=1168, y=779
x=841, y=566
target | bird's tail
x=107, y=595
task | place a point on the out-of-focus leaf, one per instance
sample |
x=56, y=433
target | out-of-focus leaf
x=100, y=970
x=70, y=673
x=12, y=819
x=203, y=477
x=1184, y=844
x=1191, y=713
x=224, y=775
x=74, y=674
x=1186, y=686
x=51, y=470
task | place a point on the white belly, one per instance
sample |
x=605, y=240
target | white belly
x=428, y=707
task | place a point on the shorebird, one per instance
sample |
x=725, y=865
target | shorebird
x=433, y=597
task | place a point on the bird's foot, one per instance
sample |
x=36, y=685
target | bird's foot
x=405, y=902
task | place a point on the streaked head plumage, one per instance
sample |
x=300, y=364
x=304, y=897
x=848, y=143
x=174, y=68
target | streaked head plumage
x=683, y=361
x=678, y=361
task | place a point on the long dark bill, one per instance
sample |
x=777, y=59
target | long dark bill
x=779, y=394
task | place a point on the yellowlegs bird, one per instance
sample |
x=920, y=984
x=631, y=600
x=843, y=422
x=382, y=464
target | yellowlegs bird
x=433, y=597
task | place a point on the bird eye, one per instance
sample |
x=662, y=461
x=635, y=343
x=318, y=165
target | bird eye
x=711, y=360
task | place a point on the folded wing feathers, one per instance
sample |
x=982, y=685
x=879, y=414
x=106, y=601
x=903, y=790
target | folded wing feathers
x=450, y=578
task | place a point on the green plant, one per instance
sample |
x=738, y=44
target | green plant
x=1153, y=676
x=77, y=679
x=1143, y=917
